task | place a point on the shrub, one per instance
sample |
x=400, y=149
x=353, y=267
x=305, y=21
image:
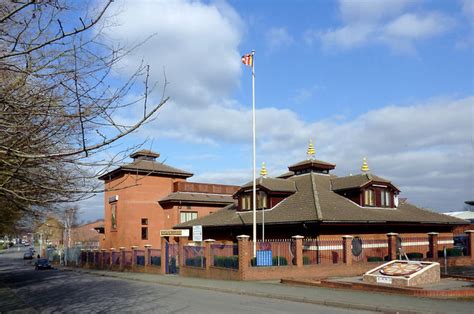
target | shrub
x=306, y=260
x=156, y=260
x=279, y=261
x=415, y=256
x=374, y=259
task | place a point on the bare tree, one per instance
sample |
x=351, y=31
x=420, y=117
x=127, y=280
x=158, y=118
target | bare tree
x=59, y=106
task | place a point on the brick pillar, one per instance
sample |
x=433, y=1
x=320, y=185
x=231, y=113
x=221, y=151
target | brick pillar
x=147, y=254
x=102, y=258
x=244, y=254
x=392, y=246
x=470, y=243
x=433, y=244
x=347, y=249
x=122, y=257
x=164, y=240
x=298, y=250
x=207, y=252
x=134, y=256
x=111, y=261
x=182, y=241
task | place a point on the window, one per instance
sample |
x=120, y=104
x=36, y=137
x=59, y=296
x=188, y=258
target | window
x=262, y=200
x=145, y=221
x=113, y=210
x=245, y=201
x=369, y=197
x=144, y=233
x=385, y=198
x=187, y=216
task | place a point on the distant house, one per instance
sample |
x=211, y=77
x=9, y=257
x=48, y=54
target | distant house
x=310, y=201
x=88, y=236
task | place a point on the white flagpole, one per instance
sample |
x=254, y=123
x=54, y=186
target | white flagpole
x=254, y=160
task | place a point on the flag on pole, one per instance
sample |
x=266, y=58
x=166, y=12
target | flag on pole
x=247, y=59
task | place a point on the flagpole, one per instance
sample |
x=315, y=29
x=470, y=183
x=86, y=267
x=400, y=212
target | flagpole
x=254, y=160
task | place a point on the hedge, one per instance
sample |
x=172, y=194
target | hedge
x=226, y=261
x=306, y=260
x=374, y=259
x=196, y=261
x=451, y=252
x=415, y=256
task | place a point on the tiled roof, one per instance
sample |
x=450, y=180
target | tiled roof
x=273, y=184
x=187, y=197
x=357, y=181
x=286, y=175
x=148, y=166
x=315, y=202
x=311, y=162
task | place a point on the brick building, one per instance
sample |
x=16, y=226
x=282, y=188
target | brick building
x=311, y=202
x=147, y=196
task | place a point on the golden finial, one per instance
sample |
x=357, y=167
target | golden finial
x=365, y=166
x=311, y=152
x=263, y=171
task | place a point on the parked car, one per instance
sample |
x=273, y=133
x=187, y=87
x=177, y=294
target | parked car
x=42, y=263
x=28, y=255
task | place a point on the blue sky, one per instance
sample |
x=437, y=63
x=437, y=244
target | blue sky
x=392, y=81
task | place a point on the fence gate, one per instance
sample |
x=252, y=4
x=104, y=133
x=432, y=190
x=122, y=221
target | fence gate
x=171, y=260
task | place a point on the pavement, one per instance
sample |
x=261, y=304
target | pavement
x=357, y=300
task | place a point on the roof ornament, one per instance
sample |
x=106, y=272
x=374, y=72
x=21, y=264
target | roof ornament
x=311, y=151
x=365, y=166
x=263, y=171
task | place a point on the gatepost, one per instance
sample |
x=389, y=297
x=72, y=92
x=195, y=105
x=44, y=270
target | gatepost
x=433, y=244
x=470, y=244
x=147, y=254
x=244, y=258
x=347, y=249
x=102, y=258
x=298, y=250
x=207, y=252
x=392, y=245
x=182, y=241
x=164, y=241
x=134, y=256
x=122, y=257
x=111, y=261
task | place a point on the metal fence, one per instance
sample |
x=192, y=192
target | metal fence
x=116, y=258
x=194, y=256
x=128, y=258
x=322, y=251
x=277, y=252
x=139, y=257
x=155, y=257
x=369, y=250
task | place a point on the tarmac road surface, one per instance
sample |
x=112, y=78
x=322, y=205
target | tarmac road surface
x=25, y=290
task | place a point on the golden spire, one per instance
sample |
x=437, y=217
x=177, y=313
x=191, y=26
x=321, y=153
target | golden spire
x=263, y=171
x=365, y=166
x=311, y=152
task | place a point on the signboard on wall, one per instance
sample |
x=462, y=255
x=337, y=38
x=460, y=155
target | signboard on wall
x=197, y=233
x=174, y=233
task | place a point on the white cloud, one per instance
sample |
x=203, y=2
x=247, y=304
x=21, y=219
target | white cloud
x=277, y=37
x=412, y=26
x=196, y=44
x=381, y=22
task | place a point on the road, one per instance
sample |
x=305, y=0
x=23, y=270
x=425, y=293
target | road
x=24, y=289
